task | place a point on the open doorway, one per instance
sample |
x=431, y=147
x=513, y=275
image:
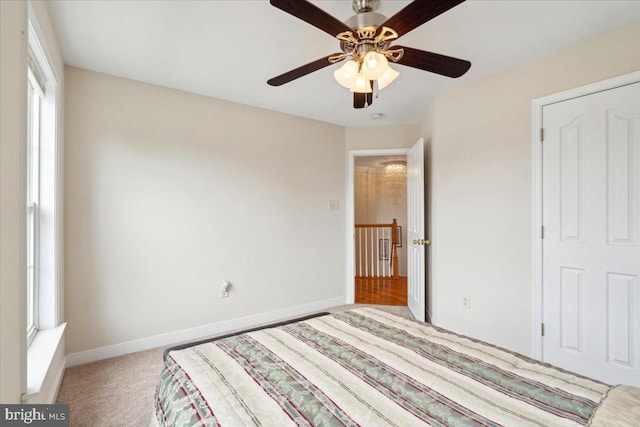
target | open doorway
x=380, y=232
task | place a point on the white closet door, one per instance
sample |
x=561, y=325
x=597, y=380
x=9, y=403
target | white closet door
x=591, y=245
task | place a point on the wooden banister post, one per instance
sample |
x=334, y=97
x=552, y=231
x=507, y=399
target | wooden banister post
x=394, y=242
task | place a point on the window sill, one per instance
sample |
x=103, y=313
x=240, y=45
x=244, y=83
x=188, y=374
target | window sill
x=40, y=356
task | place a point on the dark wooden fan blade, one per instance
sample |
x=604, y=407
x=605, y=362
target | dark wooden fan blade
x=312, y=14
x=433, y=62
x=301, y=71
x=362, y=100
x=417, y=13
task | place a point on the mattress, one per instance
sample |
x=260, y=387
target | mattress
x=367, y=367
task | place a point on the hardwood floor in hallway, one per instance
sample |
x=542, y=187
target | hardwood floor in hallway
x=381, y=290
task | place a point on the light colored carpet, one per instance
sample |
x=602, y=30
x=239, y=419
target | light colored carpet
x=119, y=392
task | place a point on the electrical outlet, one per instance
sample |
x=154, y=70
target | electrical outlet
x=224, y=290
x=466, y=302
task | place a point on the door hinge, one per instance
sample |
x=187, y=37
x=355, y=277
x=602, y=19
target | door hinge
x=542, y=329
x=542, y=232
x=541, y=134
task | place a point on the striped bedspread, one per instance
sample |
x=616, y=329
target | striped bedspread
x=365, y=367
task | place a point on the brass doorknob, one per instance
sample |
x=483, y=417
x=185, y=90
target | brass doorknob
x=421, y=242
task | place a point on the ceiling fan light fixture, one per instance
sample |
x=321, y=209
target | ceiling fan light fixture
x=366, y=39
x=387, y=78
x=374, y=65
x=346, y=74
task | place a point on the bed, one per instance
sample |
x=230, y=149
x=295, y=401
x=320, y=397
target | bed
x=367, y=367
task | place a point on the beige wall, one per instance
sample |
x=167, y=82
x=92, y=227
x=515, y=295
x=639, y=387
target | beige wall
x=170, y=193
x=13, y=77
x=379, y=137
x=481, y=185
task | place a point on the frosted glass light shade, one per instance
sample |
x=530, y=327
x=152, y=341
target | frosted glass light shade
x=374, y=65
x=346, y=74
x=361, y=84
x=389, y=76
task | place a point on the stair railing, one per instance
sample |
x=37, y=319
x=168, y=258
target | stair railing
x=377, y=249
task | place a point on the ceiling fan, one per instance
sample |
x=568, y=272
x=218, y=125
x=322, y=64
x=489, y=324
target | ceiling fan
x=366, y=39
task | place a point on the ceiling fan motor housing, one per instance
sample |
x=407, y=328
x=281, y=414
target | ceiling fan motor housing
x=365, y=22
x=364, y=25
x=365, y=19
x=360, y=6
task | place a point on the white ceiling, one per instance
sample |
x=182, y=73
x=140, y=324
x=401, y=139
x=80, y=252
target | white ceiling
x=229, y=49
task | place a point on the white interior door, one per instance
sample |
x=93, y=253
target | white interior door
x=591, y=245
x=416, y=285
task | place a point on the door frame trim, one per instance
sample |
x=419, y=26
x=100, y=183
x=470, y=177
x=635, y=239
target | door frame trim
x=536, y=150
x=350, y=211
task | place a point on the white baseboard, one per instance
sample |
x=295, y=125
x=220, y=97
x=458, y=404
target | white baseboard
x=199, y=332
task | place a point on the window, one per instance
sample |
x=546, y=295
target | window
x=35, y=96
x=42, y=182
x=41, y=192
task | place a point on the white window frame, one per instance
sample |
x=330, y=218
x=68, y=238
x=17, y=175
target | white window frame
x=43, y=358
x=44, y=305
x=35, y=97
